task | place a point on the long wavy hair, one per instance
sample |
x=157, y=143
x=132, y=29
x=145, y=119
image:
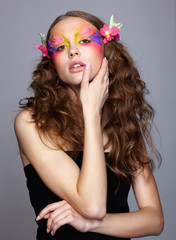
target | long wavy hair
x=129, y=126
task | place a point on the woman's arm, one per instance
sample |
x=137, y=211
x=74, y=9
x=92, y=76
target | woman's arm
x=84, y=189
x=148, y=220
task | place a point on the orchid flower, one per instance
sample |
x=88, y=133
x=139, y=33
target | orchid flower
x=43, y=47
x=44, y=50
x=112, y=31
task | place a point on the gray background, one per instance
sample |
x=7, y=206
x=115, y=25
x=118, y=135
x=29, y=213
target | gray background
x=149, y=32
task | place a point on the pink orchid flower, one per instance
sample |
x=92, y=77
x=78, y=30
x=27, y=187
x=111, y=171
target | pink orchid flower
x=109, y=33
x=44, y=50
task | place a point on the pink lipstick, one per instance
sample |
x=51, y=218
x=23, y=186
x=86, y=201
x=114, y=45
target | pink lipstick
x=76, y=66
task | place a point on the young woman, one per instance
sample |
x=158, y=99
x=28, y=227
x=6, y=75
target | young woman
x=82, y=136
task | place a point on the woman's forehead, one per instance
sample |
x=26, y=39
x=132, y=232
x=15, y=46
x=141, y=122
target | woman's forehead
x=71, y=25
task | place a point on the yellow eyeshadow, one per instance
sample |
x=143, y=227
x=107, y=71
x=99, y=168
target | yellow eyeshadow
x=80, y=34
x=77, y=37
x=63, y=43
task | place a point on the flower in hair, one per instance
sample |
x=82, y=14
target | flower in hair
x=43, y=47
x=112, y=31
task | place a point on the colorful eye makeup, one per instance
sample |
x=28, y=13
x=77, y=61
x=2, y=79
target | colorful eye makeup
x=96, y=38
x=51, y=47
x=80, y=37
x=57, y=39
x=87, y=31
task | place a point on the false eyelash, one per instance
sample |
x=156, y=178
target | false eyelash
x=51, y=47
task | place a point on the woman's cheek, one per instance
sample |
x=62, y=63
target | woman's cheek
x=56, y=56
x=99, y=49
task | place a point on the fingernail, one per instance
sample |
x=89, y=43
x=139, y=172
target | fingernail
x=52, y=233
x=88, y=66
x=106, y=59
x=47, y=230
x=37, y=218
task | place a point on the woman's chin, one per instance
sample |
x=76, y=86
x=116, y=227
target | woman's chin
x=76, y=80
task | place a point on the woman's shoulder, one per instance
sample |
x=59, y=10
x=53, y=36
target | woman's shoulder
x=27, y=130
x=24, y=116
x=23, y=119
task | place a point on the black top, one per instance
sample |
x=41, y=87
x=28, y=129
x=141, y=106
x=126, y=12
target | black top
x=41, y=196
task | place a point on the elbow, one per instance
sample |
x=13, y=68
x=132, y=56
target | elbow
x=159, y=226
x=95, y=212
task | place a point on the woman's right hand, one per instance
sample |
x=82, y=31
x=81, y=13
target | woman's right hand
x=85, y=189
x=61, y=213
x=94, y=94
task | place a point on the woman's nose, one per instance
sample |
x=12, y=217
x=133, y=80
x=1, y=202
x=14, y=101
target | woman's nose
x=73, y=51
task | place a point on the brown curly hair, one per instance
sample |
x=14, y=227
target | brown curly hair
x=129, y=127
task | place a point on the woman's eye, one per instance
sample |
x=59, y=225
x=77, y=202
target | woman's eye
x=85, y=41
x=61, y=48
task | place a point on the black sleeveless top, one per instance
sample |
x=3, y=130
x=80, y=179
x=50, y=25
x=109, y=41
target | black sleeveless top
x=41, y=196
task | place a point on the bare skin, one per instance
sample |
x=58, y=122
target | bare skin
x=82, y=186
x=148, y=220
x=85, y=190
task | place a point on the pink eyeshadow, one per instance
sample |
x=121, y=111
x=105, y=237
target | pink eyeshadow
x=57, y=40
x=87, y=31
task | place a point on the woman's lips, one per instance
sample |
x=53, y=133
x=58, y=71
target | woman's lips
x=76, y=66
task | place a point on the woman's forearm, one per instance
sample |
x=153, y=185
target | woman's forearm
x=85, y=189
x=144, y=222
x=92, y=181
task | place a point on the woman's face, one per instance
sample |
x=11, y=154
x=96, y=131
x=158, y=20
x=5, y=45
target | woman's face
x=76, y=42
